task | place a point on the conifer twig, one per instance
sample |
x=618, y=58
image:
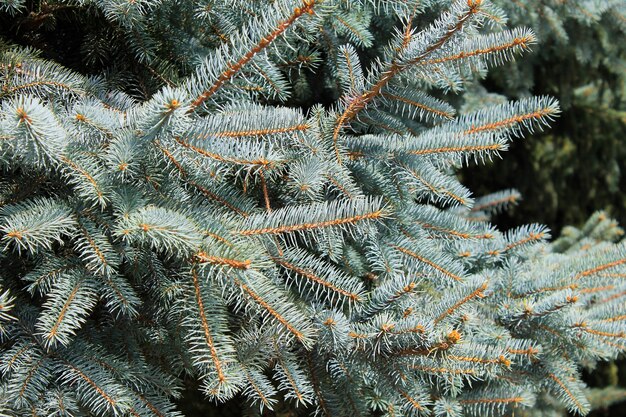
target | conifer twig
x=233, y=69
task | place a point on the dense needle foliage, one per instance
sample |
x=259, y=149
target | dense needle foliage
x=166, y=217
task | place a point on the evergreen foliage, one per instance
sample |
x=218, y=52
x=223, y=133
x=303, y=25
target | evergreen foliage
x=581, y=55
x=327, y=258
x=581, y=62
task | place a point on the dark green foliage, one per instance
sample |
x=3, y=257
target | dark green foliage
x=565, y=174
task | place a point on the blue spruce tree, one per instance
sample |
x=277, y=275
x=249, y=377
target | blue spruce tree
x=326, y=257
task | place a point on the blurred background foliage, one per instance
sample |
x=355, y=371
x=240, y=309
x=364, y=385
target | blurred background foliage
x=577, y=167
x=565, y=174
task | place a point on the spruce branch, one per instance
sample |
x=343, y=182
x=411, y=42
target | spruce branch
x=307, y=7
